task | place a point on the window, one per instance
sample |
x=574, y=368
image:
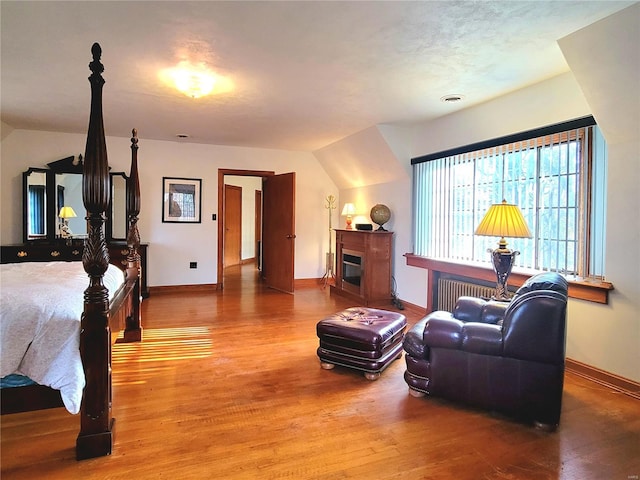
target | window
x=555, y=175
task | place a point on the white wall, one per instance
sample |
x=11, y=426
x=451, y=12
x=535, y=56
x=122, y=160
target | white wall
x=371, y=167
x=365, y=159
x=605, y=58
x=249, y=186
x=173, y=246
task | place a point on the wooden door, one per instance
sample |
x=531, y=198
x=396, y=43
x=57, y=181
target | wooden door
x=258, y=228
x=278, y=231
x=232, y=225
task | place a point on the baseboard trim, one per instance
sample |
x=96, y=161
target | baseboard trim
x=164, y=289
x=415, y=309
x=621, y=384
x=307, y=282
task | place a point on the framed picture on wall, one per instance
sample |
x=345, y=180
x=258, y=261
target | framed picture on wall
x=181, y=199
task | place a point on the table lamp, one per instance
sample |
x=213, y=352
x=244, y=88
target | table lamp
x=65, y=214
x=503, y=220
x=349, y=209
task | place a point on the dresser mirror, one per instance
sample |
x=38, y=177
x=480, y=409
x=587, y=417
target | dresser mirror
x=68, y=193
x=117, y=219
x=35, y=218
x=47, y=191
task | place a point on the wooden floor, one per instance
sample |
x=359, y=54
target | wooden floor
x=227, y=385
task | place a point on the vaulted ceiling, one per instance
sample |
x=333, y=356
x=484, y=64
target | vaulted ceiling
x=305, y=74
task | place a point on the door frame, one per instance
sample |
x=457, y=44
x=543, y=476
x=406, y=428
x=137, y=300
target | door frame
x=221, y=174
x=258, y=228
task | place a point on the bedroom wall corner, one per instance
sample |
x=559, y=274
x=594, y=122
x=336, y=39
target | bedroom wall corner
x=605, y=59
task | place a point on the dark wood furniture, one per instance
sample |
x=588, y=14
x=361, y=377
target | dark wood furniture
x=363, y=266
x=121, y=251
x=101, y=318
x=61, y=252
x=366, y=339
x=58, y=185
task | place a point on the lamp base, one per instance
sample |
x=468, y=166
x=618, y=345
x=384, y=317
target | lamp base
x=349, y=221
x=503, y=260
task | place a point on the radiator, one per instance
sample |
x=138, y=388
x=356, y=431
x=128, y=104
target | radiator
x=449, y=290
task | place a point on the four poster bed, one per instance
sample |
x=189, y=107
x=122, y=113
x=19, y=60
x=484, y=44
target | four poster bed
x=109, y=305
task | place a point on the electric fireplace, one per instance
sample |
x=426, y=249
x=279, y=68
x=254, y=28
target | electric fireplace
x=352, y=270
x=363, y=266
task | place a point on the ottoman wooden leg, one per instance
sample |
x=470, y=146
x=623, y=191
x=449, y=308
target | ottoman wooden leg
x=327, y=365
x=416, y=393
x=372, y=376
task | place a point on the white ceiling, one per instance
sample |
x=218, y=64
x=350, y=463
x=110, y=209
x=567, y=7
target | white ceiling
x=306, y=73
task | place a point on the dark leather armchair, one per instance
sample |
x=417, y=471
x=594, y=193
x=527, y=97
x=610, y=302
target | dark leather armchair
x=507, y=357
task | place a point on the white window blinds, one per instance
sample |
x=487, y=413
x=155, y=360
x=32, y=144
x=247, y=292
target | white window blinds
x=556, y=178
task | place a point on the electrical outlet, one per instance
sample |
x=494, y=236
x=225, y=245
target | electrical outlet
x=213, y=217
x=193, y=264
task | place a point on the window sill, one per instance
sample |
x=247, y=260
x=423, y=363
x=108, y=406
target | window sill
x=590, y=291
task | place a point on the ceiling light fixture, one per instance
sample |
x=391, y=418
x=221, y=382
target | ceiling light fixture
x=454, y=98
x=193, y=81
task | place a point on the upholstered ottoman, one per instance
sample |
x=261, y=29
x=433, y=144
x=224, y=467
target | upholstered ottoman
x=366, y=339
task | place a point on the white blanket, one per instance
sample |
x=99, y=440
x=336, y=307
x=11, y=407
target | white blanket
x=41, y=304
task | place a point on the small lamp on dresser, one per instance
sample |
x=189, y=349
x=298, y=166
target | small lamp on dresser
x=348, y=210
x=65, y=214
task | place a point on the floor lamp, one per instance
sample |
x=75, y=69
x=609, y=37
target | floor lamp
x=503, y=220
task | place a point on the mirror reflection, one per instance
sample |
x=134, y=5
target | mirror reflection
x=118, y=206
x=69, y=194
x=36, y=204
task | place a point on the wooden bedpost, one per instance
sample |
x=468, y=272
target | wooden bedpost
x=133, y=330
x=96, y=424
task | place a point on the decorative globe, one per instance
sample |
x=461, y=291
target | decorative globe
x=380, y=214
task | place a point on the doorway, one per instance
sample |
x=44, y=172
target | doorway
x=279, y=206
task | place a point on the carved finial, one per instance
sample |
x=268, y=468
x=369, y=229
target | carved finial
x=95, y=66
x=96, y=51
x=134, y=137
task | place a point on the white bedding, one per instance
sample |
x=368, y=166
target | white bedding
x=40, y=308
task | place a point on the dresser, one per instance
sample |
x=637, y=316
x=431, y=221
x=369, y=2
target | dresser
x=60, y=252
